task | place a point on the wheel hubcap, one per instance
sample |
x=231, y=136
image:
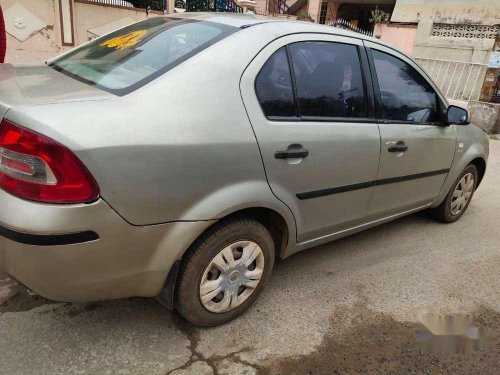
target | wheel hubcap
x=462, y=193
x=232, y=276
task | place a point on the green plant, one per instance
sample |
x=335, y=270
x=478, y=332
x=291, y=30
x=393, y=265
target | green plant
x=378, y=16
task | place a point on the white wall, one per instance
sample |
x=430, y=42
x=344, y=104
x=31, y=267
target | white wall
x=43, y=17
x=486, y=12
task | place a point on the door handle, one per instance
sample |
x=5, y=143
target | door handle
x=398, y=147
x=291, y=154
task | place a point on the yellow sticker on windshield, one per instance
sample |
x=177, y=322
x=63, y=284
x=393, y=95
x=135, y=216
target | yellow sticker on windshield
x=124, y=41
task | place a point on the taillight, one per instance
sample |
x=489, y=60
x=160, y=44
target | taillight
x=38, y=168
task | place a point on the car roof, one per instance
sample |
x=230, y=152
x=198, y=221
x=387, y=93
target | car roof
x=231, y=19
x=245, y=20
x=277, y=24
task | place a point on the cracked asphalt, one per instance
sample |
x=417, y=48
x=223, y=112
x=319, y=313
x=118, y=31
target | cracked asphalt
x=351, y=306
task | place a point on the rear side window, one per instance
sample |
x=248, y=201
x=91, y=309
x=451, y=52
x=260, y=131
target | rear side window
x=405, y=95
x=126, y=59
x=329, y=79
x=274, y=86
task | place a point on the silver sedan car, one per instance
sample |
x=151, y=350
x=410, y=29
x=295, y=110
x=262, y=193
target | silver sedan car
x=178, y=157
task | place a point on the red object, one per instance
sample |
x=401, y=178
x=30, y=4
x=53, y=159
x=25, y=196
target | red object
x=37, y=168
x=3, y=37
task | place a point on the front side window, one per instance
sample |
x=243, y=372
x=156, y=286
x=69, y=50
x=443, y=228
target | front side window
x=406, y=95
x=329, y=80
x=274, y=86
x=130, y=57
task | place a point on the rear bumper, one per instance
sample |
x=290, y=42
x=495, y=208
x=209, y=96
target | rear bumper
x=87, y=252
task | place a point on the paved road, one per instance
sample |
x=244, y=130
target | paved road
x=349, y=306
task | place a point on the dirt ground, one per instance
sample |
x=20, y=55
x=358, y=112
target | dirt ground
x=380, y=345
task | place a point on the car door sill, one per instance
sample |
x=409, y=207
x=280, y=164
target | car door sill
x=357, y=228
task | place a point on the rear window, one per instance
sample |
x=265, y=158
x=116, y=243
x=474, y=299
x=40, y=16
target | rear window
x=127, y=59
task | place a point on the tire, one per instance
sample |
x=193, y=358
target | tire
x=240, y=236
x=445, y=211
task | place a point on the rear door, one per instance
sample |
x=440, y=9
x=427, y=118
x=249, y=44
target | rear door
x=306, y=96
x=417, y=147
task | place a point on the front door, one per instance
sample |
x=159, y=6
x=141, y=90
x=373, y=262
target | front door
x=417, y=147
x=306, y=98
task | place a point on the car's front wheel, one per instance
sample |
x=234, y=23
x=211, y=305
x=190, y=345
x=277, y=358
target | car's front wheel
x=224, y=272
x=458, y=198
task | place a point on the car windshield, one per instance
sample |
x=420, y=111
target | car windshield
x=124, y=60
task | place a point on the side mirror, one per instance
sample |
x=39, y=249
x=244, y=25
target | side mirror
x=457, y=115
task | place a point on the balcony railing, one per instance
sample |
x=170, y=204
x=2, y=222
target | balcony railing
x=159, y=5
x=344, y=24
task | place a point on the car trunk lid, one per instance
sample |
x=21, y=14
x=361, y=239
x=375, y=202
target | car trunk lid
x=40, y=84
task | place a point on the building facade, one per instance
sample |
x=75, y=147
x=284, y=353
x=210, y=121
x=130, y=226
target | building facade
x=38, y=30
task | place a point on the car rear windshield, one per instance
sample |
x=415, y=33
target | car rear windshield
x=127, y=59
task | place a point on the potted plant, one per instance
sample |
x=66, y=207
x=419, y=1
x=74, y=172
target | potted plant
x=378, y=16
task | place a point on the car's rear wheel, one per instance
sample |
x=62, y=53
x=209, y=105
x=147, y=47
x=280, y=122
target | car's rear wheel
x=224, y=272
x=458, y=198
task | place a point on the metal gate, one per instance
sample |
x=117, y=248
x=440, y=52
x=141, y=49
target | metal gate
x=160, y=5
x=213, y=6
x=457, y=80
